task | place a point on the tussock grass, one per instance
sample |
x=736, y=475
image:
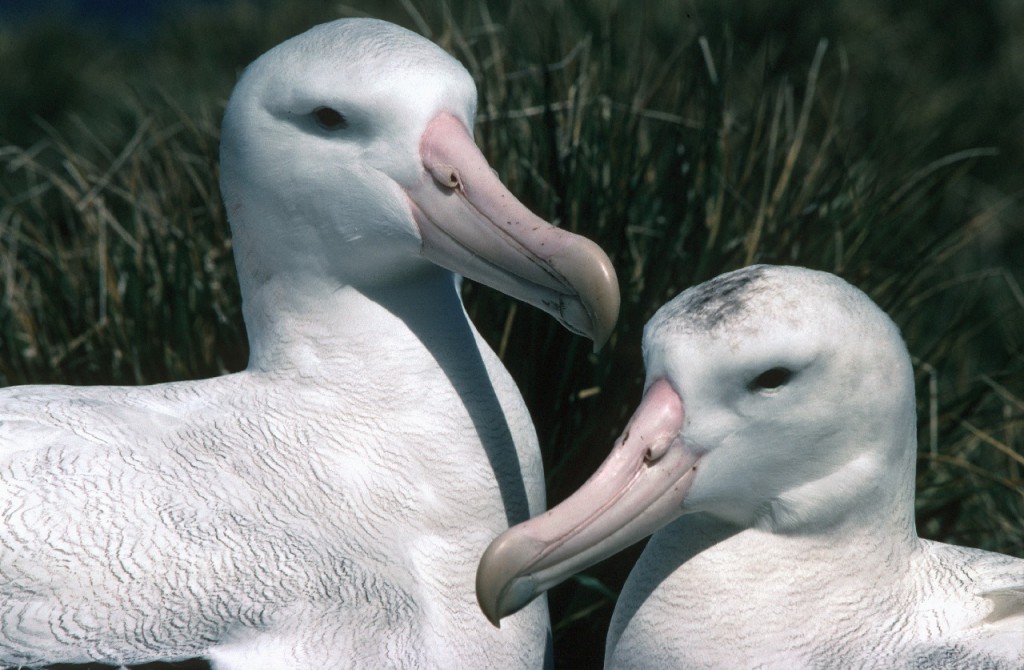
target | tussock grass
x=116, y=259
x=679, y=137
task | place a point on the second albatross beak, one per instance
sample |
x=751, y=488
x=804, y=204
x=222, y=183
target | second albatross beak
x=639, y=488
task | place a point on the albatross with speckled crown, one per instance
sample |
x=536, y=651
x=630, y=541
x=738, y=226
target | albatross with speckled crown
x=772, y=456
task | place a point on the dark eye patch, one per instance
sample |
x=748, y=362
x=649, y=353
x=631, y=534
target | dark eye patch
x=772, y=378
x=329, y=119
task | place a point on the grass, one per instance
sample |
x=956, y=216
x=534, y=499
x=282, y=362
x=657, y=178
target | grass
x=687, y=140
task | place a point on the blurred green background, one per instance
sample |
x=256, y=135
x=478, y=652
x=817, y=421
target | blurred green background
x=878, y=139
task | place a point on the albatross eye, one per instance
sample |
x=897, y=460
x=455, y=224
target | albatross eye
x=771, y=379
x=329, y=119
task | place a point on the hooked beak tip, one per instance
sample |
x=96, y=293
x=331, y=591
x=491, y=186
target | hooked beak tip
x=490, y=611
x=509, y=599
x=503, y=587
x=591, y=272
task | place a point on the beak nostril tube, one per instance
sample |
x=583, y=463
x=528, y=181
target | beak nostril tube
x=445, y=175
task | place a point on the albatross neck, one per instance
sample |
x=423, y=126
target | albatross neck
x=306, y=325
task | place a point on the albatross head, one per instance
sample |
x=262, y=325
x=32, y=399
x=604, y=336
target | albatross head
x=347, y=159
x=776, y=397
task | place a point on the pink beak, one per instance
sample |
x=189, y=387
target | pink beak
x=472, y=225
x=638, y=489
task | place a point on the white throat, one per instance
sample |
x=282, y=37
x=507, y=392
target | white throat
x=307, y=326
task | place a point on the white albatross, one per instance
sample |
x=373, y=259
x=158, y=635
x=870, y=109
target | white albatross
x=326, y=507
x=774, y=449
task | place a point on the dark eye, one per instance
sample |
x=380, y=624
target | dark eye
x=771, y=379
x=329, y=119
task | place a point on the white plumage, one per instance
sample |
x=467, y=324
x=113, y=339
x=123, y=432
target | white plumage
x=326, y=507
x=773, y=459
